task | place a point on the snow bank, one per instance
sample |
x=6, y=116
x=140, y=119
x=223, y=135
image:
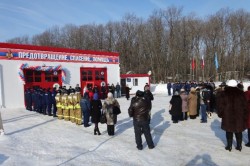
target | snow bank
x=159, y=88
x=162, y=88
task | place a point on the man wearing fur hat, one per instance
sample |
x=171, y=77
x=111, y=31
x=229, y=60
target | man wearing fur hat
x=232, y=108
x=139, y=110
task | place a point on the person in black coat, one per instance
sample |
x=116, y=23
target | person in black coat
x=77, y=88
x=95, y=112
x=139, y=110
x=103, y=91
x=198, y=101
x=176, y=107
x=148, y=95
x=127, y=90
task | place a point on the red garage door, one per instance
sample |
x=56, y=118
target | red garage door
x=43, y=79
x=93, y=76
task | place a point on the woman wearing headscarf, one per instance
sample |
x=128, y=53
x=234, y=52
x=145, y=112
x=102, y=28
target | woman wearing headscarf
x=96, y=106
x=107, y=107
x=184, y=98
x=85, y=107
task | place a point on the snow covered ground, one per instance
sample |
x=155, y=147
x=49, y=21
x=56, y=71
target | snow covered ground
x=32, y=139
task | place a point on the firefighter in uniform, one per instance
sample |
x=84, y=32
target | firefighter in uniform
x=28, y=99
x=71, y=107
x=36, y=100
x=78, y=112
x=65, y=107
x=59, y=108
x=53, y=101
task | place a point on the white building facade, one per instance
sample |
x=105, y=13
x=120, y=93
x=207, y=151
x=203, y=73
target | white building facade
x=27, y=66
x=134, y=81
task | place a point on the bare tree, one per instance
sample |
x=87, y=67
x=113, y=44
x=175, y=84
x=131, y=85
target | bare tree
x=165, y=43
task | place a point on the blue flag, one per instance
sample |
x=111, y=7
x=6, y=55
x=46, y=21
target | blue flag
x=216, y=61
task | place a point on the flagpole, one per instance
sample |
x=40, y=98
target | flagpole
x=190, y=70
x=203, y=73
x=196, y=68
x=216, y=65
x=203, y=67
x=192, y=73
x=193, y=67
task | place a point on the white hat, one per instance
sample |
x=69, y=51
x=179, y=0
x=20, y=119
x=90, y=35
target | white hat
x=176, y=93
x=182, y=90
x=110, y=95
x=232, y=83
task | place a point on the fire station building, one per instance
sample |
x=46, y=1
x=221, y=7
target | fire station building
x=28, y=66
x=134, y=81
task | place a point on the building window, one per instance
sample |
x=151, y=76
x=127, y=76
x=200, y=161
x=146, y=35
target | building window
x=102, y=75
x=29, y=79
x=90, y=78
x=135, y=82
x=48, y=76
x=87, y=75
x=33, y=76
x=29, y=75
x=84, y=78
x=97, y=75
x=51, y=76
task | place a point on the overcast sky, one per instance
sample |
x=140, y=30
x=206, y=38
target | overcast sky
x=30, y=17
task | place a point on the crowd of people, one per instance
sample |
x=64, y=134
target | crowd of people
x=229, y=101
x=70, y=105
x=189, y=101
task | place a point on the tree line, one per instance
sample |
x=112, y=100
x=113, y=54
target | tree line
x=165, y=43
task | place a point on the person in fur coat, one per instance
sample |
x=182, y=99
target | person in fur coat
x=247, y=93
x=232, y=108
x=184, y=98
x=107, y=108
x=192, y=104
